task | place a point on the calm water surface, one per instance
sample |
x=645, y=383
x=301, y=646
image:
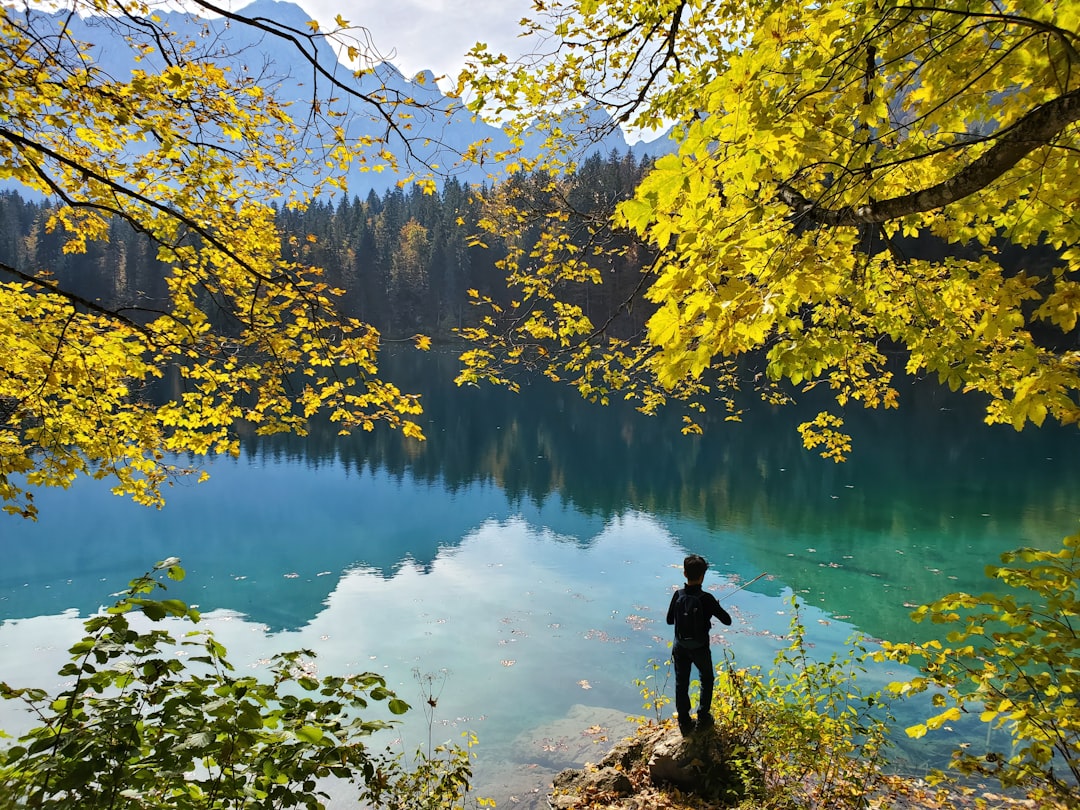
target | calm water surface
x=525, y=554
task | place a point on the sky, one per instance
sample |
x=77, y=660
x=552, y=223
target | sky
x=417, y=35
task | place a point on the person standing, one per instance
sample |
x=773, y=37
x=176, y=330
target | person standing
x=691, y=612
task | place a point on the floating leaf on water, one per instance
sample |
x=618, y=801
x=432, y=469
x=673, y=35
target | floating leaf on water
x=584, y=684
x=638, y=622
x=600, y=635
x=508, y=662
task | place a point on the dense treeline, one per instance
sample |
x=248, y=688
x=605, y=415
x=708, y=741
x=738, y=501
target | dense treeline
x=404, y=259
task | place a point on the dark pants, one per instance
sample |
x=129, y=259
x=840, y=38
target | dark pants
x=683, y=658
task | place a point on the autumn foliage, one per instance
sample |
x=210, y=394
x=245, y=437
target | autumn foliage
x=189, y=147
x=854, y=182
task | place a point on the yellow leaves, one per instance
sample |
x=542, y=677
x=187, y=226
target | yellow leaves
x=637, y=213
x=411, y=430
x=422, y=342
x=920, y=730
x=658, y=193
x=779, y=135
x=824, y=431
x=173, y=78
x=1062, y=306
x=184, y=154
x=916, y=732
x=664, y=324
x=80, y=378
x=690, y=427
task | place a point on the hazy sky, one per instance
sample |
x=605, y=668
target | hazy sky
x=417, y=35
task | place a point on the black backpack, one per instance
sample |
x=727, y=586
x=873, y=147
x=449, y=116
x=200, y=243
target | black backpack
x=691, y=618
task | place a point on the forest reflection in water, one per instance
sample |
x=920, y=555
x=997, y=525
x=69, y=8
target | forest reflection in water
x=530, y=545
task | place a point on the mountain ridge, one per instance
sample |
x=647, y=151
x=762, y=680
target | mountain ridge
x=428, y=136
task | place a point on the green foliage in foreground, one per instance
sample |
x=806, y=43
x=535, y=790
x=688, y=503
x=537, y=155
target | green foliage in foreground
x=1014, y=659
x=803, y=734
x=148, y=721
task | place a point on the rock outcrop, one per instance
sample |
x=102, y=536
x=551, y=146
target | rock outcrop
x=655, y=757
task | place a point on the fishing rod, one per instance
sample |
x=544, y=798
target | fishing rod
x=744, y=585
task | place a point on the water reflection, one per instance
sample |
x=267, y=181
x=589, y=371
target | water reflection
x=929, y=497
x=529, y=547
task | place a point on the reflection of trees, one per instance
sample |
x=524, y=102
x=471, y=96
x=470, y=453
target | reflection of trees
x=913, y=492
x=919, y=481
x=909, y=472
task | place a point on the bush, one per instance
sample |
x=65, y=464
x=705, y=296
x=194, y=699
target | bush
x=803, y=732
x=142, y=727
x=1015, y=659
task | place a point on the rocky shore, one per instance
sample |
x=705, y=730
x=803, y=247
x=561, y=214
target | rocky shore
x=597, y=757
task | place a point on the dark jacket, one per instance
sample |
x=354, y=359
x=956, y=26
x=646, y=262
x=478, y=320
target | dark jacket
x=712, y=609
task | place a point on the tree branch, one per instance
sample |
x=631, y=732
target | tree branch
x=77, y=300
x=1037, y=128
x=385, y=107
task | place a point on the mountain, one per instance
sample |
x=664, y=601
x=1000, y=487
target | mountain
x=432, y=132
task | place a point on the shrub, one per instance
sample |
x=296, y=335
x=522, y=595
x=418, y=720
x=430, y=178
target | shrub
x=804, y=733
x=1015, y=659
x=151, y=722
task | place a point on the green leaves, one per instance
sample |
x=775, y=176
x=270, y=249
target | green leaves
x=137, y=729
x=1014, y=659
x=806, y=733
x=310, y=734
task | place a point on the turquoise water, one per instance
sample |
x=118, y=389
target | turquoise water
x=525, y=554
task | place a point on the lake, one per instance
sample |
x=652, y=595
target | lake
x=520, y=560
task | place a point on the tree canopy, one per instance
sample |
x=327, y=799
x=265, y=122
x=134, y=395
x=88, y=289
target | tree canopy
x=190, y=145
x=855, y=180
